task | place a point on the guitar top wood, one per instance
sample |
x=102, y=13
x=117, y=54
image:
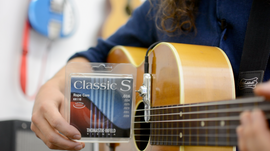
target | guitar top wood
x=181, y=74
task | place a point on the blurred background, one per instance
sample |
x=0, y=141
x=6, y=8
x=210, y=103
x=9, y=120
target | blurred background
x=75, y=26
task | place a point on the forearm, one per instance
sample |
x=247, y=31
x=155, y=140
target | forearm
x=48, y=111
x=58, y=80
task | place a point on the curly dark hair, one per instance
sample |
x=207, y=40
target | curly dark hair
x=176, y=15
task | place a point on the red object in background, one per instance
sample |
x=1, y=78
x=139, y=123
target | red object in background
x=23, y=69
x=24, y=61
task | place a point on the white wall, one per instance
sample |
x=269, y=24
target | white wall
x=14, y=104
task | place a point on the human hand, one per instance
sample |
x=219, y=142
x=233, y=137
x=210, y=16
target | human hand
x=48, y=122
x=253, y=133
x=263, y=89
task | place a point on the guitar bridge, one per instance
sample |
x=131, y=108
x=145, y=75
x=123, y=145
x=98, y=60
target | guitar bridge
x=145, y=93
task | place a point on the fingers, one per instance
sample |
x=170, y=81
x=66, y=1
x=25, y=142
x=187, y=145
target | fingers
x=39, y=135
x=245, y=118
x=253, y=133
x=50, y=126
x=241, y=142
x=259, y=120
x=53, y=146
x=243, y=131
x=56, y=121
x=52, y=138
x=263, y=89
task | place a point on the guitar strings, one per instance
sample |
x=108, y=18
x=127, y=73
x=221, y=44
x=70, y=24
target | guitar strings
x=233, y=128
x=209, y=140
x=190, y=128
x=186, y=143
x=183, y=142
x=222, y=139
x=225, y=118
x=191, y=135
x=232, y=131
x=232, y=109
x=229, y=102
x=181, y=137
x=222, y=123
x=205, y=126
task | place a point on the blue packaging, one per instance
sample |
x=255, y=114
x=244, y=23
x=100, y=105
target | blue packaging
x=101, y=105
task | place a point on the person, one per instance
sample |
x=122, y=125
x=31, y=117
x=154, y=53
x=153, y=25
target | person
x=253, y=133
x=203, y=22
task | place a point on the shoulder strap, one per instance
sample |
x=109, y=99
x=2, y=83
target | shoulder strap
x=256, y=48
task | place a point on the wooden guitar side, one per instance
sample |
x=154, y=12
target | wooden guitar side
x=181, y=74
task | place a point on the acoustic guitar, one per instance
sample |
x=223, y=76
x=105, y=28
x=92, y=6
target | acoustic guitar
x=189, y=83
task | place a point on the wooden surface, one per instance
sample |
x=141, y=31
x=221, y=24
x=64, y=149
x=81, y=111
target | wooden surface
x=118, y=15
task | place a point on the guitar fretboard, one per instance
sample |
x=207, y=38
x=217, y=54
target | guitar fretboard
x=204, y=124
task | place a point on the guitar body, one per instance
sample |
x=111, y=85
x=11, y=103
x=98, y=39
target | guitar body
x=118, y=15
x=181, y=74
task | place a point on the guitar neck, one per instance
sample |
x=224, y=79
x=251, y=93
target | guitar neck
x=204, y=124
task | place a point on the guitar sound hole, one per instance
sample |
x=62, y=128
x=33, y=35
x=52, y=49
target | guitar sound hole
x=141, y=129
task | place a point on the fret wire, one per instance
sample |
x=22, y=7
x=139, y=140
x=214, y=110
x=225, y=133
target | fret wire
x=217, y=142
x=227, y=131
x=233, y=143
x=172, y=132
x=189, y=126
x=262, y=107
x=167, y=126
x=216, y=130
x=201, y=119
x=257, y=99
x=152, y=125
x=205, y=127
x=177, y=124
x=158, y=125
x=198, y=124
x=192, y=135
x=155, y=125
x=161, y=117
x=183, y=138
x=206, y=138
x=163, y=124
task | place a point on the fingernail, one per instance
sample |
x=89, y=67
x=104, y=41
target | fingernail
x=77, y=137
x=79, y=147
